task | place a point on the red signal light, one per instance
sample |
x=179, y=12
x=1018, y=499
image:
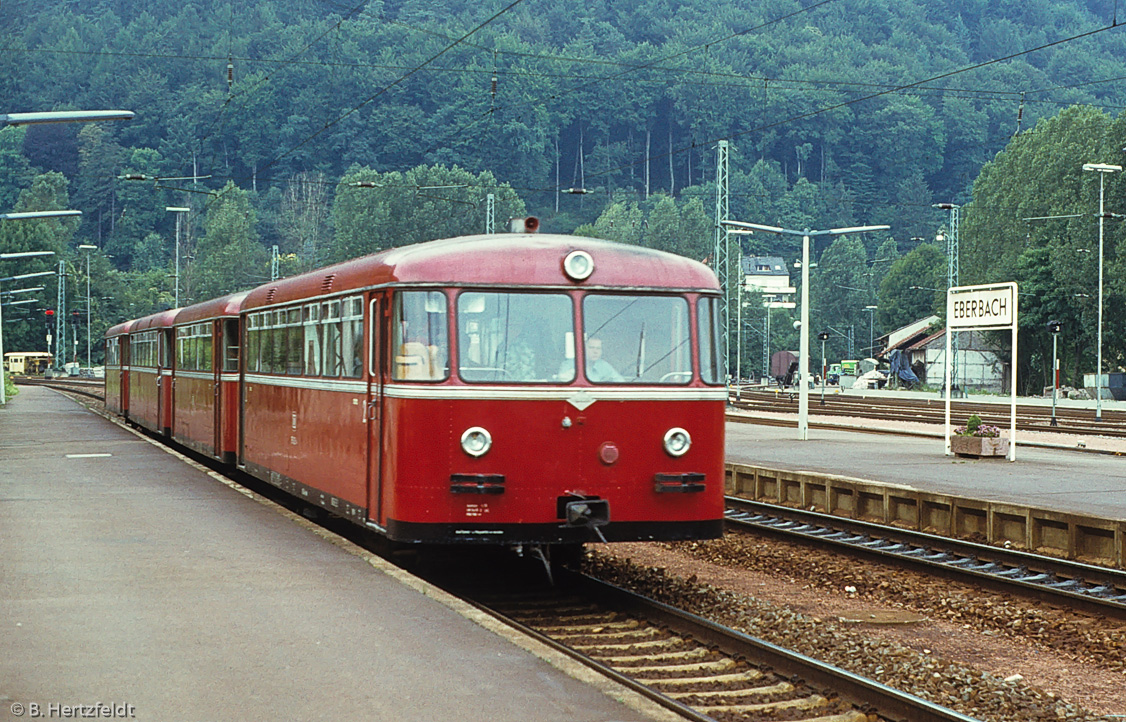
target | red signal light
x=50, y=313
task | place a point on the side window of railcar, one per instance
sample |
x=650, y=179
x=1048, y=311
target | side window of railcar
x=352, y=332
x=421, y=343
x=310, y=317
x=330, y=321
x=711, y=371
x=144, y=349
x=637, y=339
x=230, y=345
x=183, y=363
x=294, y=338
x=515, y=337
x=279, y=334
x=206, y=346
x=253, y=338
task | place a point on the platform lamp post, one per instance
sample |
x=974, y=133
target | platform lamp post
x=179, y=211
x=803, y=348
x=1054, y=329
x=1102, y=169
x=823, y=337
x=871, y=329
x=25, y=254
x=63, y=116
x=87, y=247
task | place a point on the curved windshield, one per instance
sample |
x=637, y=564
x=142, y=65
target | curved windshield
x=637, y=339
x=515, y=337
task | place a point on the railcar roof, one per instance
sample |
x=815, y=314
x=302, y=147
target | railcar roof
x=120, y=329
x=162, y=319
x=228, y=305
x=515, y=259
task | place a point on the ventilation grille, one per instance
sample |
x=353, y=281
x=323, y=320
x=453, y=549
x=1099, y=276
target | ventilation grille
x=326, y=285
x=270, y=295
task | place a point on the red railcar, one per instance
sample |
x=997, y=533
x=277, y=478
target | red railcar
x=117, y=368
x=517, y=389
x=147, y=379
x=205, y=392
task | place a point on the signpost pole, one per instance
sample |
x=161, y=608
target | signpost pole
x=946, y=382
x=1013, y=399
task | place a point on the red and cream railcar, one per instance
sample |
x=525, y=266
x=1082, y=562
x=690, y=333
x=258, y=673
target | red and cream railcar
x=147, y=379
x=117, y=368
x=498, y=389
x=205, y=389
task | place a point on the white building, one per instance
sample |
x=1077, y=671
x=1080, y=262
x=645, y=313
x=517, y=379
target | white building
x=979, y=368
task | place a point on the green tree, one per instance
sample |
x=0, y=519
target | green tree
x=15, y=169
x=911, y=290
x=1039, y=175
x=229, y=256
x=99, y=164
x=387, y=210
x=840, y=288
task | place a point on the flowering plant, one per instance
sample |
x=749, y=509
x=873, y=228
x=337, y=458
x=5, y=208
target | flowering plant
x=974, y=427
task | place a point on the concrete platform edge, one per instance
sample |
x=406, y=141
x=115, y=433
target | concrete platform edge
x=1077, y=537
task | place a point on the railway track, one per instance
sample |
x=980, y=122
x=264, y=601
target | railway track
x=697, y=668
x=92, y=388
x=1092, y=589
x=932, y=411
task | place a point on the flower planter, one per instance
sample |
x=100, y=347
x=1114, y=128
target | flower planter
x=979, y=446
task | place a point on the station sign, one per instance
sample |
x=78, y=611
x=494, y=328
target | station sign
x=993, y=307
x=981, y=306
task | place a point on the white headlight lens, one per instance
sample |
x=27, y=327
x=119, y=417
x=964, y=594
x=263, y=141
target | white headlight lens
x=476, y=441
x=578, y=265
x=677, y=441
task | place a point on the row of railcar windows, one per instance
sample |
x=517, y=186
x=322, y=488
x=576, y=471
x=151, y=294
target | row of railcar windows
x=143, y=348
x=193, y=347
x=313, y=339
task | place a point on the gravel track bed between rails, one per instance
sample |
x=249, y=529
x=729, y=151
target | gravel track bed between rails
x=991, y=656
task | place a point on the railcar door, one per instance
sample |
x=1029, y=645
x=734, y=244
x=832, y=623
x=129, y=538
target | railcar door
x=165, y=383
x=373, y=409
x=123, y=358
x=218, y=360
x=226, y=393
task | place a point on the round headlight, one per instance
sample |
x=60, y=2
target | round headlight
x=677, y=441
x=578, y=265
x=476, y=441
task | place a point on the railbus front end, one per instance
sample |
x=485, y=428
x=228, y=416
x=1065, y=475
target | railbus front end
x=566, y=413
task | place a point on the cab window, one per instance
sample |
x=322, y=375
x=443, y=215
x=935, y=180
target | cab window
x=637, y=339
x=515, y=337
x=420, y=343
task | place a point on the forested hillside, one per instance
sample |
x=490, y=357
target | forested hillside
x=838, y=112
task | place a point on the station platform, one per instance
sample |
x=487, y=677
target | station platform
x=1057, y=471
x=137, y=584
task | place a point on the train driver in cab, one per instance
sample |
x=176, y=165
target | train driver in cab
x=599, y=369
